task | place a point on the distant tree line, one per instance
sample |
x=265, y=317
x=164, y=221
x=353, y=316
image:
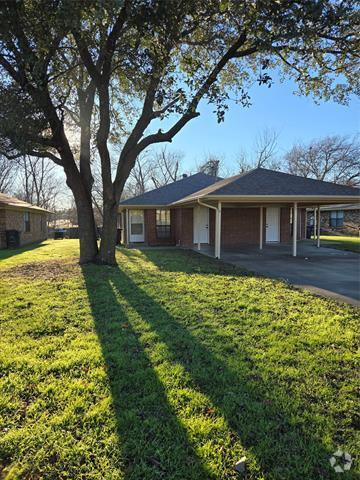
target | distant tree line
x=333, y=159
x=31, y=179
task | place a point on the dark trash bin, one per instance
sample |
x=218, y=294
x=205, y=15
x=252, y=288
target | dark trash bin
x=59, y=234
x=309, y=231
x=12, y=238
x=118, y=236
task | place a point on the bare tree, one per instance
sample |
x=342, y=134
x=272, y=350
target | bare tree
x=211, y=166
x=140, y=177
x=151, y=170
x=8, y=172
x=37, y=182
x=334, y=159
x=166, y=167
x=264, y=154
x=244, y=162
x=266, y=147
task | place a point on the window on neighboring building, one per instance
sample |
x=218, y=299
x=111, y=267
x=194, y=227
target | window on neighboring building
x=27, y=221
x=336, y=218
x=42, y=223
x=163, y=226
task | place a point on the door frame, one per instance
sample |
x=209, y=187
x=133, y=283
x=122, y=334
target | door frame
x=195, y=227
x=278, y=209
x=131, y=240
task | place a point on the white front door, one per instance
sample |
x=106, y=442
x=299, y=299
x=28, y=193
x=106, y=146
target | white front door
x=136, y=220
x=201, y=224
x=273, y=224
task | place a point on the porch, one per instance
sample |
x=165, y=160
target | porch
x=227, y=226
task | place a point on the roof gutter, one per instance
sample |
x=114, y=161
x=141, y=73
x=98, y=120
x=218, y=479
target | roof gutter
x=206, y=205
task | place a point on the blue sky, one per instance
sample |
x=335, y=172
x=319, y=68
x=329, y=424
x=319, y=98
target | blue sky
x=294, y=118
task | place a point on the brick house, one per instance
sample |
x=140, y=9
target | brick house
x=257, y=207
x=342, y=218
x=30, y=221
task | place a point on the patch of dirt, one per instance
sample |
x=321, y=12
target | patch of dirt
x=49, y=270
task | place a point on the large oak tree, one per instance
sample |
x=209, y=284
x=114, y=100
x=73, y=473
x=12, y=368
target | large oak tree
x=92, y=81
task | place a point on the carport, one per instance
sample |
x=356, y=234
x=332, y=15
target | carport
x=262, y=202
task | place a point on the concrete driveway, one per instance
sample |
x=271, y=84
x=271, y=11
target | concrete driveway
x=325, y=271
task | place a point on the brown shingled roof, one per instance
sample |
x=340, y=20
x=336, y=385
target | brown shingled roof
x=13, y=202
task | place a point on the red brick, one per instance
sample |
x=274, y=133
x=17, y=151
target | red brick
x=239, y=225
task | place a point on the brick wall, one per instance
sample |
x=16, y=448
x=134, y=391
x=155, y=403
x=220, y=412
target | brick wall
x=14, y=220
x=240, y=226
x=150, y=228
x=2, y=228
x=181, y=227
x=351, y=224
x=285, y=226
x=302, y=224
x=351, y=217
x=184, y=227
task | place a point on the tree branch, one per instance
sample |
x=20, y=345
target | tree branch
x=33, y=153
x=232, y=52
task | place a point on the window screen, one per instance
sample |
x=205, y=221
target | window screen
x=336, y=218
x=137, y=222
x=163, y=225
x=136, y=229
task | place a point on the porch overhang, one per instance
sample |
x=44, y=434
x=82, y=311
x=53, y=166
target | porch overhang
x=217, y=203
x=257, y=200
x=122, y=208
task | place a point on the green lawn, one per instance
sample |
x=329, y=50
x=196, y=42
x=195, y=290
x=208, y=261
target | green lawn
x=172, y=366
x=341, y=243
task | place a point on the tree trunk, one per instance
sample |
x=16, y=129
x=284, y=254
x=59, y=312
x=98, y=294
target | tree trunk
x=87, y=234
x=87, y=228
x=109, y=231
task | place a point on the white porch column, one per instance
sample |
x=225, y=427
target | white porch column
x=295, y=220
x=218, y=231
x=261, y=227
x=318, y=226
x=122, y=227
x=315, y=228
x=127, y=226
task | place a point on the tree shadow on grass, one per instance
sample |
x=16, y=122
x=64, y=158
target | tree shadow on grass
x=152, y=442
x=188, y=262
x=9, y=252
x=148, y=428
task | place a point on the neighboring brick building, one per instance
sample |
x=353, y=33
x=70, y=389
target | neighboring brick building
x=254, y=208
x=343, y=219
x=28, y=220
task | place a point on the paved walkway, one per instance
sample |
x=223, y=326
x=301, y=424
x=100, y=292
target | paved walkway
x=325, y=271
